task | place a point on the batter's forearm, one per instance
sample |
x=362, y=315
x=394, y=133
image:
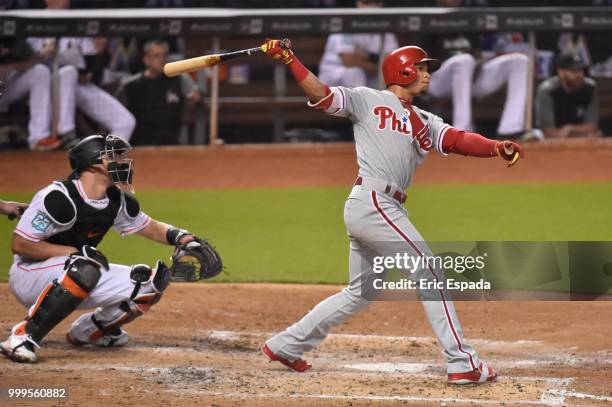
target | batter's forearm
x=39, y=250
x=472, y=144
x=313, y=88
x=310, y=84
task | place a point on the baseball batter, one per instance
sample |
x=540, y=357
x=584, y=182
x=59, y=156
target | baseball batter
x=57, y=268
x=392, y=138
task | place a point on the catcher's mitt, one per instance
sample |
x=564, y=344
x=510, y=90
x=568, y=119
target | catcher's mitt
x=195, y=260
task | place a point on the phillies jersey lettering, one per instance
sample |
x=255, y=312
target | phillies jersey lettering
x=391, y=138
x=409, y=124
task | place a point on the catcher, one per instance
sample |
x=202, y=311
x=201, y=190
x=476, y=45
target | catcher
x=58, y=269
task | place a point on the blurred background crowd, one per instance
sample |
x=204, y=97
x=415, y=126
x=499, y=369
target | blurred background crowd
x=117, y=85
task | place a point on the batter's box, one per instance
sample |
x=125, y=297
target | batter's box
x=371, y=385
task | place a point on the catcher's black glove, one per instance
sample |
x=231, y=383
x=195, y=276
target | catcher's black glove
x=194, y=260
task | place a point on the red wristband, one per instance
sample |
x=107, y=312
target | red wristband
x=299, y=71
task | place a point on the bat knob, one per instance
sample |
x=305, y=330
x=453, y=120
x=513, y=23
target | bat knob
x=285, y=43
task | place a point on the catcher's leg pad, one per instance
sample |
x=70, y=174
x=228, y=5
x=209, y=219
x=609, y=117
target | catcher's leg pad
x=93, y=327
x=60, y=299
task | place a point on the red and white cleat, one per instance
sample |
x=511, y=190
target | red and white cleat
x=483, y=374
x=298, y=365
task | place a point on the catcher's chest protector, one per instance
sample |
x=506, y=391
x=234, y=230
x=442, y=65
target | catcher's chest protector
x=91, y=224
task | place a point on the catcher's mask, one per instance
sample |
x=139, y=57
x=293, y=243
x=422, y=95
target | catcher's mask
x=93, y=149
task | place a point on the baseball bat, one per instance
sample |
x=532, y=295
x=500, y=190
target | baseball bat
x=207, y=61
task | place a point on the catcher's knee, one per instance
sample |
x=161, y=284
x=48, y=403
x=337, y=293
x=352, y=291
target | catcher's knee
x=82, y=273
x=149, y=284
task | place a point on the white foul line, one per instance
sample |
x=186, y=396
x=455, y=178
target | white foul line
x=384, y=398
x=568, y=393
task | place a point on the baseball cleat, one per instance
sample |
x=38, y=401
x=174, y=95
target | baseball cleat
x=117, y=338
x=298, y=365
x=19, y=347
x=47, y=144
x=481, y=375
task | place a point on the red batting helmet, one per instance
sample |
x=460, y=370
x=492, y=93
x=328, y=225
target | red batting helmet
x=398, y=68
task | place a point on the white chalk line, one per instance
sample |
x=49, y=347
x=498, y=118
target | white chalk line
x=578, y=395
x=380, y=398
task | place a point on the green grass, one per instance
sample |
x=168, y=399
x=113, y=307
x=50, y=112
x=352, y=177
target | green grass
x=298, y=235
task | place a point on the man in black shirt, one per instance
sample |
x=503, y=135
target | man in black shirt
x=156, y=100
x=567, y=104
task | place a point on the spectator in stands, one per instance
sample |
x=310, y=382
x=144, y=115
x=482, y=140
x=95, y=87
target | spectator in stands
x=82, y=58
x=156, y=100
x=467, y=71
x=567, y=104
x=22, y=74
x=352, y=59
x=77, y=90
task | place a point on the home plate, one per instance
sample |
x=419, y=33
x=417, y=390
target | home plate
x=390, y=367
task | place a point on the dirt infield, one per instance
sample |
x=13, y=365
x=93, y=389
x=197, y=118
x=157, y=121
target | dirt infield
x=301, y=165
x=200, y=346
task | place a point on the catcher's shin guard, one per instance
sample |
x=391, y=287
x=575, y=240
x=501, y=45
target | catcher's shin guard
x=103, y=326
x=60, y=299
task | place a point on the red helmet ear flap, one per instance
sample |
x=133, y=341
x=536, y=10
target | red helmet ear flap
x=409, y=72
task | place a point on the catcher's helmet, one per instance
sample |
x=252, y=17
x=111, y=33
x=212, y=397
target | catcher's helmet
x=92, y=149
x=398, y=68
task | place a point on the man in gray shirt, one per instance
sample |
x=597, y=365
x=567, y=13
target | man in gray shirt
x=567, y=105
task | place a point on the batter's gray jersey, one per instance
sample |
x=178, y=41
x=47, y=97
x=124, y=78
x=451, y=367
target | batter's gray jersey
x=391, y=138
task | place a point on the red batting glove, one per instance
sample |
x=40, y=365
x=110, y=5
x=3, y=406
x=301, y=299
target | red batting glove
x=509, y=151
x=277, y=49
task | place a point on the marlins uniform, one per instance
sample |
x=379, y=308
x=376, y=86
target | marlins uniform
x=85, y=95
x=333, y=72
x=461, y=76
x=63, y=219
x=62, y=214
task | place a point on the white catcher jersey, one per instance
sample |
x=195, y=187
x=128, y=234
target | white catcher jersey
x=37, y=224
x=391, y=138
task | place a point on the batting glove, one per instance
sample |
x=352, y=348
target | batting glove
x=279, y=49
x=509, y=151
